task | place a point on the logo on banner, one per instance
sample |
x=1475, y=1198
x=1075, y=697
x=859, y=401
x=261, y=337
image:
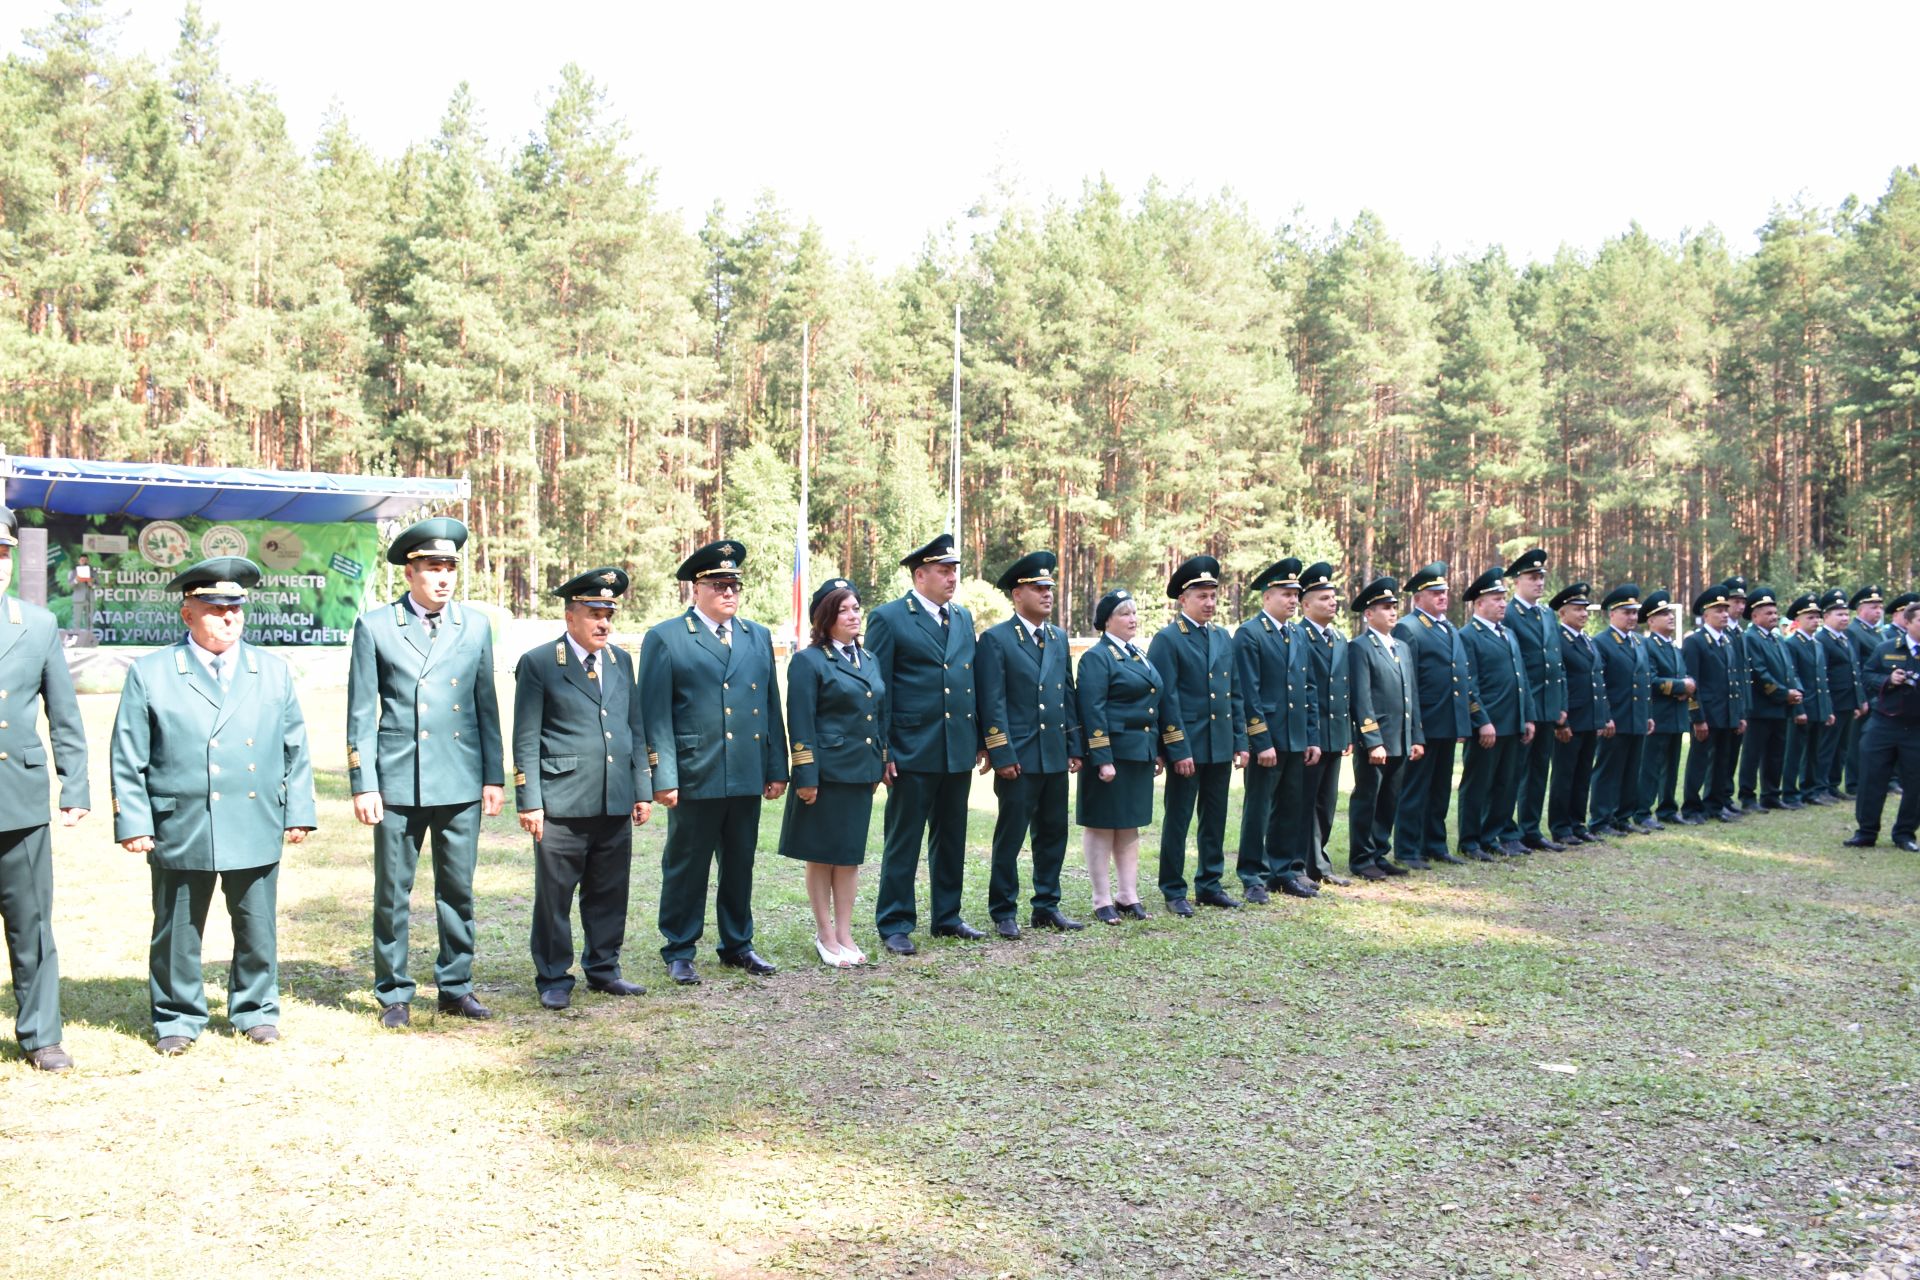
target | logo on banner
x=164, y=544
x=223, y=540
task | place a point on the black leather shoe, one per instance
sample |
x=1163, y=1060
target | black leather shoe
x=1859, y=841
x=1818, y=797
x=1367, y=871
x=1410, y=864
x=1298, y=887
x=1332, y=879
x=465, y=1007
x=1257, y=894
x=1909, y=845
x=1648, y=826
x=265, y=1033
x=396, y=1015
x=750, y=960
x=1134, y=911
x=1180, y=906
x=1050, y=918
x=616, y=987
x=1441, y=855
x=682, y=972
x=1106, y=915
x=1541, y=842
x=172, y=1046
x=1515, y=849
x=1008, y=929
x=1727, y=815
x=1693, y=819
x=1791, y=804
x=49, y=1057
x=1751, y=806
x=1476, y=855
x=960, y=929
x=1217, y=898
x=1594, y=837
x=556, y=998
x=899, y=944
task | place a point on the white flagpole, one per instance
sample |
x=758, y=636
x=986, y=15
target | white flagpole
x=800, y=549
x=954, y=478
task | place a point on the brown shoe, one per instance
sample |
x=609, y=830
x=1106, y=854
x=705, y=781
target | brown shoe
x=49, y=1057
x=398, y=1014
x=265, y=1033
x=172, y=1046
x=465, y=1006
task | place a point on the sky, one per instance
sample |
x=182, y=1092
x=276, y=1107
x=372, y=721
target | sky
x=1462, y=126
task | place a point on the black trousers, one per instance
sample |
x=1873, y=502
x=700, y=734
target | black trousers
x=594, y=856
x=1035, y=802
x=1372, y=808
x=701, y=833
x=1659, y=793
x=1803, y=778
x=1489, y=786
x=933, y=805
x=1426, y=787
x=1889, y=750
x=1207, y=789
x=1276, y=829
x=1323, y=797
x=1852, y=752
x=1536, y=761
x=1616, y=777
x=1763, y=761
x=1836, y=746
x=1710, y=772
x=1572, y=781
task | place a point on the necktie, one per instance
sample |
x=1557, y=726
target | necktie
x=943, y=616
x=1131, y=651
x=220, y=669
x=433, y=624
x=851, y=654
x=1497, y=631
x=1040, y=637
x=721, y=632
x=591, y=673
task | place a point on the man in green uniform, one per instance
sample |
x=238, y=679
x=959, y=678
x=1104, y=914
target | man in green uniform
x=1803, y=783
x=1843, y=684
x=1449, y=712
x=424, y=761
x=1386, y=716
x=1657, y=801
x=1195, y=657
x=1333, y=699
x=1589, y=719
x=210, y=773
x=1537, y=632
x=717, y=742
x=33, y=666
x=1273, y=668
x=1718, y=710
x=1030, y=710
x=581, y=784
x=923, y=646
x=1629, y=680
x=1776, y=700
x=1869, y=607
x=1490, y=781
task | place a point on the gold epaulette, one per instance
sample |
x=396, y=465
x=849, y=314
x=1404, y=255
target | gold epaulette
x=1171, y=736
x=1183, y=626
x=560, y=653
x=1369, y=725
x=180, y=660
x=253, y=665
x=13, y=611
x=1256, y=726
x=690, y=629
x=1425, y=621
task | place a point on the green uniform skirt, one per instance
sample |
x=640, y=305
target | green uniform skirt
x=833, y=829
x=1125, y=802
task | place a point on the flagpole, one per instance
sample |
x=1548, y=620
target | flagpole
x=954, y=477
x=800, y=629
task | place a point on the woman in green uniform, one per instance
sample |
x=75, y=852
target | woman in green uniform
x=837, y=723
x=1125, y=715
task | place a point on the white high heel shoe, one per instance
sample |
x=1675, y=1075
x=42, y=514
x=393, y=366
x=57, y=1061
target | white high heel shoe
x=829, y=955
x=852, y=957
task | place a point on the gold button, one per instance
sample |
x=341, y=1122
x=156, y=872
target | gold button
x=249, y=741
x=214, y=743
x=609, y=759
x=869, y=693
x=456, y=706
x=215, y=796
x=1043, y=726
x=423, y=735
x=603, y=711
x=213, y=768
x=3, y=755
x=869, y=740
x=949, y=715
x=1043, y=706
x=729, y=735
x=725, y=685
x=946, y=666
x=453, y=680
x=456, y=733
x=252, y=768
x=869, y=717
x=756, y=737
x=609, y=733
x=753, y=684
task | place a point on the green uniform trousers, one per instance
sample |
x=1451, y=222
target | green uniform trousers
x=595, y=857
x=26, y=903
x=934, y=804
x=455, y=829
x=699, y=832
x=175, y=986
x=1036, y=802
x=1207, y=789
x=1276, y=824
x=1489, y=787
x=1659, y=795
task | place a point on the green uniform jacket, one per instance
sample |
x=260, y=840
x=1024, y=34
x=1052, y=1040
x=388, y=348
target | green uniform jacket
x=838, y=715
x=1124, y=707
x=1443, y=675
x=34, y=665
x=579, y=751
x=1671, y=701
x=1772, y=673
x=1809, y=676
x=929, y=674
x=215, y=781
x=1865, y=639
x=1201, y=691
x=1843, y=671
x=1500, y=677
x=1628, y=675
x=423, y=721
x=712, y=710
x=1333, y=687
x=1279, y=693
x=1027, y=700
x=1537, y=631
x=1386, y=697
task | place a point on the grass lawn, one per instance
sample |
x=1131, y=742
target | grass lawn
x=1348, y=1087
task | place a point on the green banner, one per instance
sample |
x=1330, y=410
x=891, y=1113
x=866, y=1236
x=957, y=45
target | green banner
x=110, y=573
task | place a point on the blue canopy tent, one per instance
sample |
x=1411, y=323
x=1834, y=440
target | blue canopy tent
x=160, y=491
